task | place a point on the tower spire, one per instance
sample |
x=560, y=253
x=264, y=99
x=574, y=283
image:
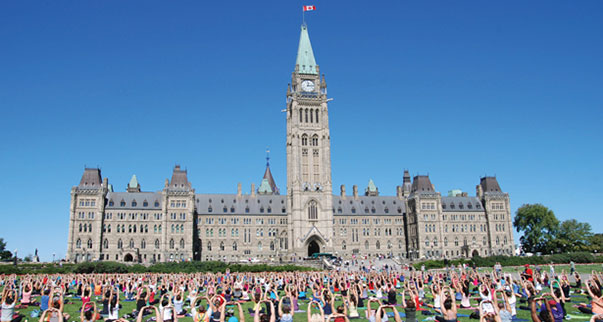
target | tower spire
x=305, y=63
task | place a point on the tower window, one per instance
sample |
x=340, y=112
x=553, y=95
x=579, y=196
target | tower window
x=306, y=115
x=304, y=140
x=301, y=115
x=312, y=210
x=315, y=140
x=311, y=117
x=316, y=116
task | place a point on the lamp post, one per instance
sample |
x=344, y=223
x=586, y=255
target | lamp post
x=53, y=254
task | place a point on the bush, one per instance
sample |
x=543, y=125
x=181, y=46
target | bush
x=172, y=267
x=578, y=257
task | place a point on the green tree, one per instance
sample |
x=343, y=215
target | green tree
x=573, y=236
x=4, y=254
x=596, y=243
x=539, y=227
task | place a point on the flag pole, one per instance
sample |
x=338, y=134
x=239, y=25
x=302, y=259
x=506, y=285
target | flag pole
x=303, y=16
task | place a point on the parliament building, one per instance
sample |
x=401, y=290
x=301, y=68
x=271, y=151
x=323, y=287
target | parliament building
x=177, y=223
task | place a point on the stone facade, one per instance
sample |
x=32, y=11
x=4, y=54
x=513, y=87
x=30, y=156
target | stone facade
x=177, y=223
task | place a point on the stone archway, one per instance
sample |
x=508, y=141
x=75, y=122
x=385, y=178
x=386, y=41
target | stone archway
x=475, y=253
x=313, y=247
x=128, y=258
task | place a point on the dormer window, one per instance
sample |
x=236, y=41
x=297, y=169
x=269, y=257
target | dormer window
x=145, y=203
x=443, y=206
x=111, y=203
x=156, y=203
x=209, y=209
x=451, y=206
x=122, y=203
x=134, y=203
x=460, y=205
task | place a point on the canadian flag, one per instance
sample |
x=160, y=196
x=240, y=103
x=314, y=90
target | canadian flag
x=309, y=8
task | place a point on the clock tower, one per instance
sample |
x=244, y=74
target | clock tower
x=309, y=190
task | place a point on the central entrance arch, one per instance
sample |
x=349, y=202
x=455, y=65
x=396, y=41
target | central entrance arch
x=313, y=248
x=128, y=258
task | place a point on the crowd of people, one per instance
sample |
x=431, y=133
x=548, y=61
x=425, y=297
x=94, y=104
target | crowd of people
x=339, y=296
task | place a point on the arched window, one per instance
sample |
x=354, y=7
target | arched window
x=484, y=241
x=120, y=244
x=317, y=116
x=306, y=115
x=89, y=243
x=427, y=242
x=222, y=246
x=456, y=241
x=156, y=243
x=435, y=241
x=301, y=115
x=208, y=245
x=78, y=243
x=304, y=140
x=143, y=244
x=311, y=116
x=343, y=245
x=445, y=241
x=171, y=244
x=272, y=245
x=497, y=241
x=182, y=243
x=80, y=228
x=89, y=228
x=315, y=140
x=131, y=243
x=260, y=243
x=378, y=245
x=105, y=244
x=312, y=210
x=234, y=246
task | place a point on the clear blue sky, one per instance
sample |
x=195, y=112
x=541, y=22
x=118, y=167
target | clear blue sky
x=453, y=89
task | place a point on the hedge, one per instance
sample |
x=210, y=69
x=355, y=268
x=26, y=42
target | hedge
x=173, y=267
x=578, y=257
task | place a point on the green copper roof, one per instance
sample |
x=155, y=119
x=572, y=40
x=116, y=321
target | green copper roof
x=133, y=182
x=264, y=187
x=371, y=186
x=305, y=55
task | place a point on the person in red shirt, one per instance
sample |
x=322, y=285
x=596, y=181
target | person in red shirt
x=527, y=273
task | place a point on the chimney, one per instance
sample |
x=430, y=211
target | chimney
x=399, y=192
x=239, y=190
x=355, y=191
x=167, y=182
x=105, y=182
x=253, y=189
x=343, y=191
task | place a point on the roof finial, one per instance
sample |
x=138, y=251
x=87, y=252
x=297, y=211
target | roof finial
x=267, y=156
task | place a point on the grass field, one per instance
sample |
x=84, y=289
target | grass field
x=72, y=308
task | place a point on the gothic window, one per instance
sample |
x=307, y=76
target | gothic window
x=312, y=210
x=122, y=203
x=131, y=243
x=311, y=116
x=143, y=244
x=378, y=245
x=105, y=244
x=301, y=115
x=156, y=203
x=156, y=243
x=109, y=228
x=306, y=115
x=427, y=242
x=343, y=245
x=78, y=243
x=111, y=203
x=315, y=140
x=145, y=203
x=366, y=244
x=316, y=116
x=272, y=245
x=234, y=246
x=304, y=140
x=209, y=246
x=260, y=243
x=182, y=243
x=484, y=241
x=134, y=203
x=171, y=244
x=353, y=210
x=80, y=228
x=120, y=244
x=456, y=241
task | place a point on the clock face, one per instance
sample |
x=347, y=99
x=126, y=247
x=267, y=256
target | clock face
x=307, y=86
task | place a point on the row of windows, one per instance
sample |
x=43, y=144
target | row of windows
x=312, y=113
x=366, y=210
x=462, y=217
x=133, y=203
x=232, y=209
x=313, y=140
x=427, y=205
x=498, y=206
x=86, y=228
x=178, y=204
x=246, y=221
x=235, y=246
x=87, y=202
x=132, y=216
x=461, y=206
x=82, y=215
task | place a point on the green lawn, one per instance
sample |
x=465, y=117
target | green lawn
x=74, y=305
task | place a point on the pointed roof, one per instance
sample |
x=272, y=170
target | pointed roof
x=91, y=178
x=179, y=179
x=305, y=56
x=371, y=190
x=269, y=181
x=133, y=182
x=371, y=186
x=265, y=188
x=490, y=184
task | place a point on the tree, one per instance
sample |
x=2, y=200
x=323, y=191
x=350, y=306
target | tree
x=573, y=236
x=539, y=226
x=4, y=254
x=596, y=243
